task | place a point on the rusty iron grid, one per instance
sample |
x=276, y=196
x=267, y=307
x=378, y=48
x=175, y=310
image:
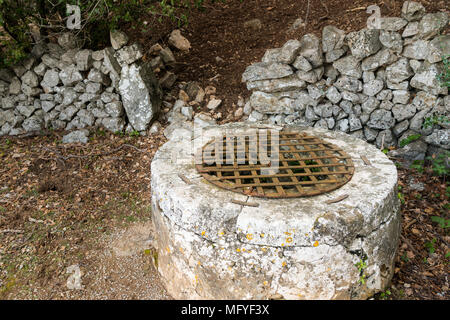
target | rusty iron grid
x=307, y=166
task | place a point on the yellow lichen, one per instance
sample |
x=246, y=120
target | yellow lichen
x=249, y=236
x=284, y=264
x=289, y=240
x=316, y=244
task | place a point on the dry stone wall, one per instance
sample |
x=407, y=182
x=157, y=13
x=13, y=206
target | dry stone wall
x=380, y=85
x=61, y=86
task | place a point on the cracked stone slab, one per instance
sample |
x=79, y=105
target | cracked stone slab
x=301, y=248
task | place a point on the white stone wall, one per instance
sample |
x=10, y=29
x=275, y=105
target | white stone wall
x=63, y=87
x=379, y=85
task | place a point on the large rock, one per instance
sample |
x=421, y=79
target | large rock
x=399, y=71
x=392, y=40
x=427, y=79
x=439, y=138
x=402, y=112
x=141, y=94
x=412, y=10
x=68, y=41
x=83, y=59
x=78, y=136
x=178, y=41
x=439, y=48
x=432, y=24
x=129, y=54
x=266, y=103
x=364, y=43
x=332, y=38
x=311, y=49
x=381, y=58
x=263, y=71
x=30, y=79
x=417, y=50
x=289, y=51
x=33, y=123
x=70, y=76
x=349, y=84
x=381, y=119
x=393, y=23
x=118, y=39
x=51, y=78
x=283, y=84
x=111, y=63
x=349, y=66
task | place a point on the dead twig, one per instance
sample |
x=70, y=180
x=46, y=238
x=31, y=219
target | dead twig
x=366, y=161
x=11, y=231
x=186, y=180
x=338, y=199
x=243, y=203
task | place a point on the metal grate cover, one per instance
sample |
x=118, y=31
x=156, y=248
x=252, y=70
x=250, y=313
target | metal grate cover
x=307, y=166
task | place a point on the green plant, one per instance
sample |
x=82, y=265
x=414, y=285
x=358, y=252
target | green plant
x=430, y=246
x=404, y=257
x=418, y=165
x=134, y=134
x=410, y=139
x=431, y=121
x=361, y=265
x=442, y=222
x=401, y=197
x=444, y=76
x=439, y=164
x=385, y=295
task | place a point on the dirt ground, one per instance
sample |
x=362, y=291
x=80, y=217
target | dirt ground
x=87, y=207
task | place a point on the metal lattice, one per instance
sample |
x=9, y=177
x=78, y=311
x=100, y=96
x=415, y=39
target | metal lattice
x=307, y=166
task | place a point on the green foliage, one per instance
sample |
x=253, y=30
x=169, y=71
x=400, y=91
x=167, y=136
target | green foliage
x=418, y=165
x=444, y=77
x=430, y=246
x=410, y=139
x=134, y=134
x=439, y=120
x=439, y=164
x=443, y=223
x=401, y=197
x=385, y=295
x=98, y=17
x=361, y=265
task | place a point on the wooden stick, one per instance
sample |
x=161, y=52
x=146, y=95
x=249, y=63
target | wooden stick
x=11, y=231
x=186, y=180
x=366, y=161
x=338, y=199
x=243, y=203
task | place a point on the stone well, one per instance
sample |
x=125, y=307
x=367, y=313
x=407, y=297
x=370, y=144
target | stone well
x=210, y=246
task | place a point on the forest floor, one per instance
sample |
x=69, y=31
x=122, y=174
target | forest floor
x=89, y=205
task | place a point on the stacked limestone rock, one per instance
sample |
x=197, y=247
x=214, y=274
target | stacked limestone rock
x=376, y=84
x=63, y=87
